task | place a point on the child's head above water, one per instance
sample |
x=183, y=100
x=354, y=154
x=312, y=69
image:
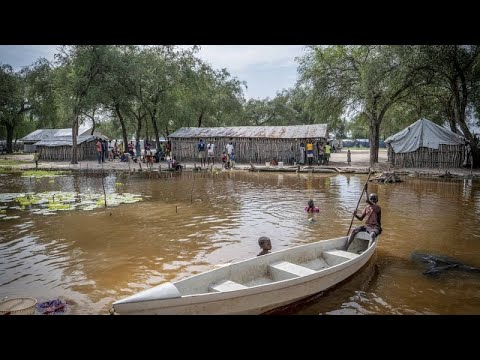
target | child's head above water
x=265, y=243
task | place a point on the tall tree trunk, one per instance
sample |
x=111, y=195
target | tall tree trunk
x=147, y=137
x=452, y=124
x=374, y=138
x=475, y=154
x=10, y=129
x=74, y=140
x=200, y=119
x=122, y=124
x=155, y=128
x=459, y=106
x=93, y=122
x=139, y=127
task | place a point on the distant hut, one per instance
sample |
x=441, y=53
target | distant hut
x=257, y=144
x=425, y=144
x=56, y=144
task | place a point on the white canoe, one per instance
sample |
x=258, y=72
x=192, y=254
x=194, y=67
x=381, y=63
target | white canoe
x=256, y=285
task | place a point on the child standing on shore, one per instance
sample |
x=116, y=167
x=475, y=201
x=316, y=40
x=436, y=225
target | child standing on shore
x=349, y=157
x=36, y=157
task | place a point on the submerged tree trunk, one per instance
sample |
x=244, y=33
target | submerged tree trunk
x=10, y=129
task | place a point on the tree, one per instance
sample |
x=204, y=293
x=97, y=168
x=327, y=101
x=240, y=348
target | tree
x=13, y=103
x=40, y=94
x=81, y=70
x=212, y=93
x=454, y=69
x=364, y=79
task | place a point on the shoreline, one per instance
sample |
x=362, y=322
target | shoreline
x=359, y=165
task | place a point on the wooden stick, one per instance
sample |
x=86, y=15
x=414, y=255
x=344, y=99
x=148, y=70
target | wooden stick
x=103, y=186
x=360, y=198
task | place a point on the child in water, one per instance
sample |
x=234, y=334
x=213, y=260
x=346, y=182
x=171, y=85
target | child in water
x=265, y=244
x=311, y=207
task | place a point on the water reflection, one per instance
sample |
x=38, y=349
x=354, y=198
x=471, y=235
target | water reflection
x=191, y=222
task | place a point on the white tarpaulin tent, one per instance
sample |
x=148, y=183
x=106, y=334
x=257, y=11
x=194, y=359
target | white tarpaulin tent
x=423, y=133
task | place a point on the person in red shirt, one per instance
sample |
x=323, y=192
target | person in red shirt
x=98, y=146
x=311, y=207
x=373, y=223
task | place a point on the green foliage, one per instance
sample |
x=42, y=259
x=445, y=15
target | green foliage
x=44, y=173
x=366, y=80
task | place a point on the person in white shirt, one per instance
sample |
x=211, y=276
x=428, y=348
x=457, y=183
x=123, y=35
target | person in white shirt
x=229, y=148
x=210, y=153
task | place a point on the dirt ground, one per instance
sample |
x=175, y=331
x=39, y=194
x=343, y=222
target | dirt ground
x=338, y=162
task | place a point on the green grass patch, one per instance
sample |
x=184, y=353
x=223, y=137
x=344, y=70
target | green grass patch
x=58, y=206
x=6, y=169
x=7, y=162
x=44, y=173
x=28, y=200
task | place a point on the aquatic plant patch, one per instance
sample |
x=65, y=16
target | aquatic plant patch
x=44, y=173
x=47, y=203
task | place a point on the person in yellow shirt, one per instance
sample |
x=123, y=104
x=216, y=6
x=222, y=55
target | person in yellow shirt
x=310, y=152
x=328, y=150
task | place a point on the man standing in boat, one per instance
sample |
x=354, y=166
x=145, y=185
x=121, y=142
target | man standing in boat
x=373, y=223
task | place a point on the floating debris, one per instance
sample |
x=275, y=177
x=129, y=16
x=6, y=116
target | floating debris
x=387, y=177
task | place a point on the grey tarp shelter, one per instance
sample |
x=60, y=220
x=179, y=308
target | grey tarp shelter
x=425, y=144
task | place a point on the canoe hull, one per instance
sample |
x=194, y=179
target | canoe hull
x=256, y=299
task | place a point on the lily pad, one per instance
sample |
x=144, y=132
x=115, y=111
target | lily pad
x=11, y=217
x=47, y=203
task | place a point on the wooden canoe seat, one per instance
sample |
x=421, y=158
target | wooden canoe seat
x=335, y=257
x=227, y=285
x=284, y=270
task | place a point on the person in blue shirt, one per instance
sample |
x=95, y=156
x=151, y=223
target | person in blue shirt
x=202, y=152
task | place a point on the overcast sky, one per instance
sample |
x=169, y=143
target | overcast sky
x=266, y=68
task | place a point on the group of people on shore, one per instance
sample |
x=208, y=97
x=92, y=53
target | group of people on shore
x=206, y=154
x=307, y=152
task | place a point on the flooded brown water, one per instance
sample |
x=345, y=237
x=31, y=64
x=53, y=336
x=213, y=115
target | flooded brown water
x=191, y=222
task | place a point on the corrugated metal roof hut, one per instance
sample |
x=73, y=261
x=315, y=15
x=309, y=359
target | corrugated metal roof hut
x=56, y=144
x=258, y=144
x=425, y=144
x=30, y=141
x=61, y=148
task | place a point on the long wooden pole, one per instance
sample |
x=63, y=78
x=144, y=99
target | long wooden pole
x=359, y=199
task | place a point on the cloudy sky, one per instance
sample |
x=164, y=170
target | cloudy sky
x=266, y=68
